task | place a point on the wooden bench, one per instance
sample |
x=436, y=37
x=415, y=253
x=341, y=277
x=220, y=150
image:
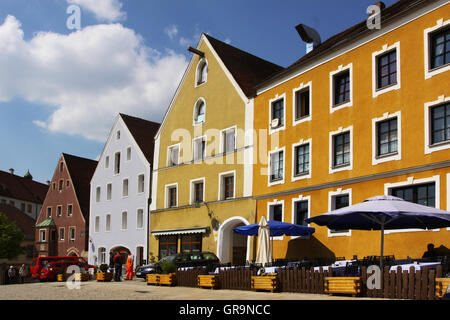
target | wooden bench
x=346, y=285
x=441, y=286
x=265, y=283
x=208, y=281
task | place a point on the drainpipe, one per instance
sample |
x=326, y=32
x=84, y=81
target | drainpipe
x=149, y=201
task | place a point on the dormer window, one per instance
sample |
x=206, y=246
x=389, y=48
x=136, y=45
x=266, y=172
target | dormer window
x=202, y=72
x=199, y=111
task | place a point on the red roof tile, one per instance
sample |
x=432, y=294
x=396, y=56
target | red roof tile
x=17, y=187
x=23, y=221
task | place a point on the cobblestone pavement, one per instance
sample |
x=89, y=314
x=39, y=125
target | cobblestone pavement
x=139, y=290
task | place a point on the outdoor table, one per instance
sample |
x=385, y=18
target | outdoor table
x=324, y=268
x=417, y=266
x=342, y=263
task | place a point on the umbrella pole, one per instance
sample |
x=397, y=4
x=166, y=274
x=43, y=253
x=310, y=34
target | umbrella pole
x=382, y=243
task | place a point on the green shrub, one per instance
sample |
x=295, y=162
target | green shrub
x=168, y=267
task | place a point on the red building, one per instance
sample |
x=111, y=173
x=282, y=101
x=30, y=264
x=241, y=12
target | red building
x=62, y=227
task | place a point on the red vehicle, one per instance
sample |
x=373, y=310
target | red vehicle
x=38, y=263
x=51, y=270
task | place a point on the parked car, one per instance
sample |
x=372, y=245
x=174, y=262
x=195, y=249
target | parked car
x=40, y=262
x=191, y=259
x=51, y=270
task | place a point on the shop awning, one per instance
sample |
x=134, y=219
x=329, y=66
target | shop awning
x=180, y=231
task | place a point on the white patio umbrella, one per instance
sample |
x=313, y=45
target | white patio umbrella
x=264, y=253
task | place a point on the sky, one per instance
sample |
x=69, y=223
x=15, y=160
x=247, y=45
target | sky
x=61, y=87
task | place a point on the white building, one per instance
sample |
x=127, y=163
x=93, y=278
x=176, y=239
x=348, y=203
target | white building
x=120, y=191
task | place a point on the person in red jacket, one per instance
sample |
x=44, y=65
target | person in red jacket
x=117, y=266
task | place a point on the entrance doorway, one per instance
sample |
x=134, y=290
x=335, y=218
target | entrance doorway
x=232, y=247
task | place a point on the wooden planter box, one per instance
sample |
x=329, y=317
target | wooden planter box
x=152, y=279
x=265, y=283
x=208, y=281
x=61, y=277
x=347, y=285
x=104, y=277
x=82, y=276
x=441, y=286
x=167, y=279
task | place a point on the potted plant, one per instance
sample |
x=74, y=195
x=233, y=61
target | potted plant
x=265, y=281
x=168, y=276
x=103, y=274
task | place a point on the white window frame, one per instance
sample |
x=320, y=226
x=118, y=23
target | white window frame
x=331, y=150
x=139, y=183
x=74, y=233
x=43, y=235
x=59, y=211
x=393, y=157
x=169, y=152
x=167, y=194
x=349, y=103
x=197, y=72
x=222, y=139
x=331, y=205
x=69, y=205
x=427, y=49
x=194, y=122
x=124, y=214
x=108, y=226
x=385, y=49
x=106, y=162
x=98, y=194
x=102, y=255
x=127, y=188
x=118, y=135
x=192, y=189
x=298, y=199
x=115, y=163
x=439, y=146
x=59, y=234
x=108, y=195
x=276, y=98
x=302, y=87
x=271, y=204
x=128, y=157
x=97, y=224
x=137, y=219
x=410, y=181
x=202, y=138
x=221, y=193
x=276, y=150
x=303, y=176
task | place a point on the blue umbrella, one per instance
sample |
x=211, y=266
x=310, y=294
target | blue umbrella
x=383, y=213
x=276, y=228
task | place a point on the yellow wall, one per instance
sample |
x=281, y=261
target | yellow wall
x=415, y=91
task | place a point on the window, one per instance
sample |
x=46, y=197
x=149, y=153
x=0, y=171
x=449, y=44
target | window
x=118, y=134
x=423, y=194
x=167, y=246
x=171, y=196
x=60, y=185
x=29, y=208
x=117, y=163
x=124, y=220
x=69, y=210
x=61, y=166
x=440, y=48
x=72, y=234
x=302, y=103
x=342, y=87
x=140, y=219
x=199, y=149
x=301, y=159
x=61, y=234
x=301, y=212
x=339, y=201
x=141, y=184
x=173, y=156
x=191, y=243
x=198, y=192
x=277, y=109
x=67, y=183
x=387, y=69
x=59, y=211
x=97, y=224
x=440, y=123
x=128, y=153
x=107, y=162
x=202, y=72
x=229, y=140
x=42, y=235
x=387, y=140
x=125, y=188
x=276, y=212
x=97, y=194
x=276, y=166
x=109, y=191
x=199, y=111
x=102, y=255
x=341, y=149
x=49, y=212
x=53, y=186
x=22, y=207
x=108, y=223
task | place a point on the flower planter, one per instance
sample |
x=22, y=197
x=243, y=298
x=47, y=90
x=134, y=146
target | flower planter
x=208, y=281
x=167, y=279
x=61, y=277
x=82, y=276
x=441, y=286
x=152, y=279
x=346, y=285
x=265, y=283
x=104, y=276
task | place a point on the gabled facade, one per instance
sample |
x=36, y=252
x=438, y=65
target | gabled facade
x=63, y=223
x=202, y=177
x=120, y=191
x=365, y=113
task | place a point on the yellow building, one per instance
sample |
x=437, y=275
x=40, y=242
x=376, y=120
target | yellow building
x=203, y=173
x=367, y=112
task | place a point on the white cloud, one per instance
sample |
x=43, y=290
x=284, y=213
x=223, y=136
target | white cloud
x=171, y=31
x=88, y=76
x=104, y=10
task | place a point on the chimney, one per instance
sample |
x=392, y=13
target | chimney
x=48, y=182
x=11, y=170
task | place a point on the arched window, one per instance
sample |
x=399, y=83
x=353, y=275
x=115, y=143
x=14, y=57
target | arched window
x=199, y=112
x=202, y=72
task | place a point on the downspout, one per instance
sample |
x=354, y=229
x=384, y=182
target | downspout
x=149, y=202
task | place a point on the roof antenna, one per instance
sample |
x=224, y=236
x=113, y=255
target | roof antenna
x=309, y=35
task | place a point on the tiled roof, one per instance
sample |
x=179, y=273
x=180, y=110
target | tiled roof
x=46, y=223
x=351, y=34
x=143, y=132
x=17, y=187
x=81, y=171
x=247, y=69
x=23, y=221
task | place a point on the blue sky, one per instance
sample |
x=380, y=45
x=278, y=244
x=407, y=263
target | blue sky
x=61, y=89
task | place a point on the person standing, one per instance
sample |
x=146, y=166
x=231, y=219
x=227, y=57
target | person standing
x=130, y=264
x=117, y=266
x=11, y=274
x=23, y=273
